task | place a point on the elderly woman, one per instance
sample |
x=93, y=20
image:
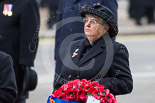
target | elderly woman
x=97, y=57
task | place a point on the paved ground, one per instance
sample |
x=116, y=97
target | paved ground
x=142, y=58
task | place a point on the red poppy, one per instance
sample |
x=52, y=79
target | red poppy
x=111, y=96
x=102, y=100
x=70, y=95
x=101, y=87
x=87, y=88
x=82, y=96
x=70, y=84
x=64, y=87
x=53, y=95
x=69, y=90
x=76, y=85
x=62, y=94
x=79, y=96
x=105, y=92
x=84, y=80
x=105, y=100
x=65, y=98
x=78, y=91
x=77, y=81
x=63, y=90
x=56, y=94
x=93, y=85
x=97, y=95
x=114, y=100
x=108, y=99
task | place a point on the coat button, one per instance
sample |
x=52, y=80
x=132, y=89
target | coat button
x=69, y=76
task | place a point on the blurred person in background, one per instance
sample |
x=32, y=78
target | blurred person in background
x=141, y=8
x=149, y=7
x=38, y=1
x=70, y=9
x=8, y=87
x=53, y=7
x=19, y=27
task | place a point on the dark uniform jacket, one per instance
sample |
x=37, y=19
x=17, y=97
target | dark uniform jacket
x=69, y=21
x=92, y=63
x=53, y=3
x=143, y=2
x=137, y=7
x=8, y=88
x=19, y=34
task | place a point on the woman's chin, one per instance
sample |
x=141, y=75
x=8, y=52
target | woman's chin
x=90, y=39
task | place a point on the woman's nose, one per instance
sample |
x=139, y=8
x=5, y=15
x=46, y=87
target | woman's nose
x=88, y=24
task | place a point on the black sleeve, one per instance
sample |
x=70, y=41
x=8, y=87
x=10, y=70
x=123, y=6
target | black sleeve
x=59, y=79
x=8, y=88
x=120, y=78
x=29, y=28
x=58, y=29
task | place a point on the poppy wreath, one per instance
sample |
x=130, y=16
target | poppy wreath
x=78, y=91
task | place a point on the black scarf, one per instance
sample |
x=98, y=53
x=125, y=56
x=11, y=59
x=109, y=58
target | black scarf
x=88, y=46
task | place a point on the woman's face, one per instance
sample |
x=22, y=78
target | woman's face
x=93, y=27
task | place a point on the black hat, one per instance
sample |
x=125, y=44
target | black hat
x=30, y=79
x=104, y=13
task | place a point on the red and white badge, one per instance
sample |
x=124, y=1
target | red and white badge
x=75, y=53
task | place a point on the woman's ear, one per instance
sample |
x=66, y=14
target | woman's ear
x=106, y=28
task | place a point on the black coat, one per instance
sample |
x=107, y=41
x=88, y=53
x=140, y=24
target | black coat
x=118, y=78
x=69, y=21
x=8, y=88
x=19, y=34
x=142, y=3
x=52, y=3
x=137, y=7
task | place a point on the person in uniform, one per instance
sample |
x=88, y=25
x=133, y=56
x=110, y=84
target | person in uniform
x=52, y=6
x=8, y=87
x=69, y=22
x=19, y=27
x=97, y=57
x=140, y=8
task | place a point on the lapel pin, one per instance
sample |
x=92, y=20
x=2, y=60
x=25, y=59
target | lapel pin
x=75, y=53
x=83, y=7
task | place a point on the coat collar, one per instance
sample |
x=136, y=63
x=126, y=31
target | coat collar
x=95, y=50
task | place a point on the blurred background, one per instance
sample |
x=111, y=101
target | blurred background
x=136, y=31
